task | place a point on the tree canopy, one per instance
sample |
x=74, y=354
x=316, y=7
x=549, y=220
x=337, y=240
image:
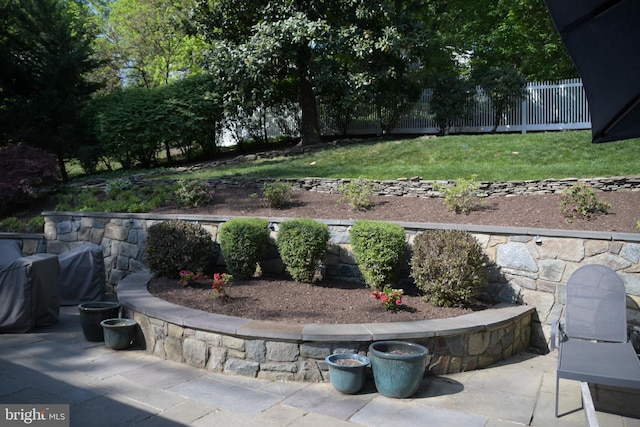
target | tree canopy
x=299, y=59
x=507, y=33
x=45, y=55
x=373, y=48
x=147, y=42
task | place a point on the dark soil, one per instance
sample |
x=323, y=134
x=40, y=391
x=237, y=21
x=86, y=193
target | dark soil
x=540, y=211
x=280, y=299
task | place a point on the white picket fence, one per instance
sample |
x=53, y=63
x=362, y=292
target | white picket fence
x=548, y=106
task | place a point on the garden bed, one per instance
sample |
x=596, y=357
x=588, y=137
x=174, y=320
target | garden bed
x=279, y=299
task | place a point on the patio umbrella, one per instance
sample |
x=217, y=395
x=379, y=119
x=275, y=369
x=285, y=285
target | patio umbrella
x=603, y=40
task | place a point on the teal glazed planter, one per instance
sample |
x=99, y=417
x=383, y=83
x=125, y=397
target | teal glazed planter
x=119, y=333
x=92, y=313
x=347, y=371
x=398, y=367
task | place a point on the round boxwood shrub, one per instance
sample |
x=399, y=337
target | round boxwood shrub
x=176, y=245
x=378, y=248
x=302, y=243
x=242, y=241
x=449, y=267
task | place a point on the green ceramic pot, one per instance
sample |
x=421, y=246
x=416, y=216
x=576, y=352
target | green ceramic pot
x=347, y=371
x=398, y=367
x=119, y=333
x=92, y=313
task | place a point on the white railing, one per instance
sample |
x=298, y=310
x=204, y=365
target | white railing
x=548, y=106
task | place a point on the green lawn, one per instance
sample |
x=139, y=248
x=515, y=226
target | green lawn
x=490, y=157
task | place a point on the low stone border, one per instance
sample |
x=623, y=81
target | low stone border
x=296, y=352
x=402, y=187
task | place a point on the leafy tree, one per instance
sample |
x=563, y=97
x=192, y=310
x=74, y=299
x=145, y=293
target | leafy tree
x=45, y=54
x=191, y=114
x=503, y=86
x=379, y=48
x=146, y=42
x=501, y=33
x=450, y=99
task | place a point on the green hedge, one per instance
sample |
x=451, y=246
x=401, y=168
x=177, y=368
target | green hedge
x=177, y=245
x=132, y=125
x=242, y=242
x=378, y=248
x=302, y=243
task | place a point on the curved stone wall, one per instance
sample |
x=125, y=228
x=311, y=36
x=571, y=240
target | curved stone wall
x=296, y=352
x=531, y=266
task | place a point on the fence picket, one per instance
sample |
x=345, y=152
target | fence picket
x=548, y=106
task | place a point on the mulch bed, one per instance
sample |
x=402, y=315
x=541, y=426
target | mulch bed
x=282, y=299
x=279, y=299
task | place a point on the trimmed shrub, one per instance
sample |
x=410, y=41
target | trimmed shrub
x=276, y=194
x=242, y=241
x=358, y=193
x=449, y=267
x=302, y=243
x=461, y=197
x=175, y=245
x=378, y=248
x=580, y=201
x=193, y=193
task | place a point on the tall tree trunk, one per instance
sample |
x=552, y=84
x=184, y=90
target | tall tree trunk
x=62, y=167
x=497, y=116
x=167, y=150
x=310, y=131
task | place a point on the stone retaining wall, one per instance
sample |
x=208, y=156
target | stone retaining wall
x=277, y=351
x=405, y=187
x=29, y=243
x=417, y=187
x=531, y=265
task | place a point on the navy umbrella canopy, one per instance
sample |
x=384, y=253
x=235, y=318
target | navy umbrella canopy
x=603, y=40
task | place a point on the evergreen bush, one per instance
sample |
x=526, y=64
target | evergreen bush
x=449, y=267
x=378, y=248
x=176, y=245
x=194, y=192
x=358, y=193
x=302, y=243
x=461, y=197
x=242, y=241
x=276, y=194
x=580, y=201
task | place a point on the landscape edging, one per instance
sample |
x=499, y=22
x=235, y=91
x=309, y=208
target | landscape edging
x=281, y=351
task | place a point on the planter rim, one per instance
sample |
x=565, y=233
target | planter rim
x=120, y=322
x=417, y=350
x=98, y=305
x=364, y=360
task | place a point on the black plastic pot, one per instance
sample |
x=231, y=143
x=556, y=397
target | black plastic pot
x=92, y=313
